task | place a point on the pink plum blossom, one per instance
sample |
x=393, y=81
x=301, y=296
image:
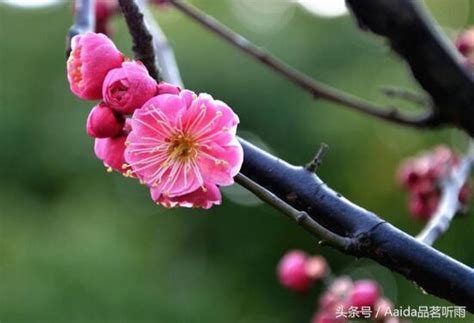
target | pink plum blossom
x=92, y=57
x=183, y=147
x=104, y=122
x=127, y=88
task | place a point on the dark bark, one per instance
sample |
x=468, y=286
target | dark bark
x=433, y=271
x=142, y=39
x=433, y=60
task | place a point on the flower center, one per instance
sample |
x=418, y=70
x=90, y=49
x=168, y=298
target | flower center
x=182, y=148
x=76, y=64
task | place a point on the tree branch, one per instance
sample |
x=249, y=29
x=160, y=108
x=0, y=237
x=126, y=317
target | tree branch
x=316, y=89
x=430, y=269
x=141, y=36
x=449, y=203
x=435, y=63
x=300, y=217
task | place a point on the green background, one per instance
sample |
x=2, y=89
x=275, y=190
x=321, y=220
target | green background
x=80, y=245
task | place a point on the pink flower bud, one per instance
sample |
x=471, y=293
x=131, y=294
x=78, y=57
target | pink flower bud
x=111, y=152
x=316, y=267
x=417, y=208
x=104, y=122
x=127, y=88
x=364, y=293
x=341, y=287
x=291, y=271
x=406, y=175
x=92, y=57
x=465, y=45
x=465, y=42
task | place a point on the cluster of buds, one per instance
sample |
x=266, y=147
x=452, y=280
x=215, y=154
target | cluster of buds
x=423, y=175
x=181, y=145
x=345, y=300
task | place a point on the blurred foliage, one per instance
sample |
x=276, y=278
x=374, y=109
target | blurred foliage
x=80, y=245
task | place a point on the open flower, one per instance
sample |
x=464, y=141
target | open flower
x=128, y=87
x=92, y=57
x=183, y=146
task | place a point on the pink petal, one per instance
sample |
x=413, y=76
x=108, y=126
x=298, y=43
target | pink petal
x=200, y=198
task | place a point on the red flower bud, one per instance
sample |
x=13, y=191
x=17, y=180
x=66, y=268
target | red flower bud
x=104, y=122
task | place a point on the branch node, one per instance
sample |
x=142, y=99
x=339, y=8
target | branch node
x=300, y=217
x=314, y=164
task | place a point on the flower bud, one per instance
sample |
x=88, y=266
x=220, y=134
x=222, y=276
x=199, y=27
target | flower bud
x=111, y=152
x=364, y=293
x=316, y=267
x=127, y=88
x=465, y=42
x=92, y=57
x=104, y=122
x=292, y=271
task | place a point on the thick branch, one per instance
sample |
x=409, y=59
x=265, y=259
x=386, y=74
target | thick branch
x=142, y=38
x=449, y=203
x=433, y=271
x=433, y=60
x=316, y=89
x=301, y=217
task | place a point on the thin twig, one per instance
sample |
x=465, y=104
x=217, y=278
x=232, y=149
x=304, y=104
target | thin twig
x=141, y=36
x=314, y=164
x=395, y=92
x=84, y=21
x=300, y=217
x=317, y=90
x=449, y=203
x=165, y=57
